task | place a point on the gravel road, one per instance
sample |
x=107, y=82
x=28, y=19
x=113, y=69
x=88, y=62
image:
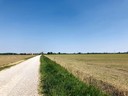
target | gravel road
x=21, y=79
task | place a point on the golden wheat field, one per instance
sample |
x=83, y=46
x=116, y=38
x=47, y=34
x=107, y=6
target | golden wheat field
x=109, y=72
x=8, y=59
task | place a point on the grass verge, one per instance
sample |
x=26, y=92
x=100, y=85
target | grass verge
x=5, y=67
x=57, y=81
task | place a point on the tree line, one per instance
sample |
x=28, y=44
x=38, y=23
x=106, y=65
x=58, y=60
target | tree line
x=88, y=53
x=20, y=53
x=62, y=53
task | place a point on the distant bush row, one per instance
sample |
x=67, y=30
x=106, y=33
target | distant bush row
x=89, y=53
x=60, y=53
x=20, y=53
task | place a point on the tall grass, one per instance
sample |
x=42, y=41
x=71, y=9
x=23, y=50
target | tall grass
x=57, y=81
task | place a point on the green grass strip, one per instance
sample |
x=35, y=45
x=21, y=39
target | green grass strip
x=57, y=81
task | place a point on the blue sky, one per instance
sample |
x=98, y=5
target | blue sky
x=63, y=25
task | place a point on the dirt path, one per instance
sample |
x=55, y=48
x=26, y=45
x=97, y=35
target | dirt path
x=21, y=80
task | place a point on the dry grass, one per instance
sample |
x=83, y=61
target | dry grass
x=109, y=72
x=6, y=60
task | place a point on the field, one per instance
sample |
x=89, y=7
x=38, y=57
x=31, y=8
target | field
x=109, y=72
x=9, y=60
x=57, y=81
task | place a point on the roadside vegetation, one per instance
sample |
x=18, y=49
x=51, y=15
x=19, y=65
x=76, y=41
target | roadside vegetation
x=57, y=81
x=109, y=72
x=5, y=67
x=7, y=61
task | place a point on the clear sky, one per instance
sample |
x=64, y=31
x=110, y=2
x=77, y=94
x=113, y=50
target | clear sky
x=63, y=25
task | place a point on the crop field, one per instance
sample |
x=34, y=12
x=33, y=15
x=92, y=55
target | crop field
x=6, y=60
x=57, y=81
x=109, y=72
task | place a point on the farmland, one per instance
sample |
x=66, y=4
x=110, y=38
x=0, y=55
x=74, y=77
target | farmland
x=9, y=60
x=109, y=72
x=57, y=81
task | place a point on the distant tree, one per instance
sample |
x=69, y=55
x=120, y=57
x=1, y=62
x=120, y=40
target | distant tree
x=50, y=53
x=59, y=53
x=8, y=53
x=79, y=53
x=23, y=53
x=119, y=52
x=42, y=53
